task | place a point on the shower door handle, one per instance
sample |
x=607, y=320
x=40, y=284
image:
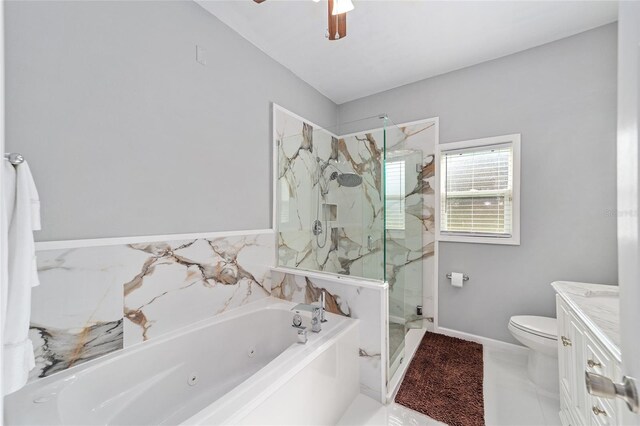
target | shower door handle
x=369, y=242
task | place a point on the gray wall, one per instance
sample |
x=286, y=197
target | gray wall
x=562, y=98
x=127, y=135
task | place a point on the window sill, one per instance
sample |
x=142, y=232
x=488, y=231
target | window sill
x=512, y=241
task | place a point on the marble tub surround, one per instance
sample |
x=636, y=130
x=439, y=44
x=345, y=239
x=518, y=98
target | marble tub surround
x=186, y=281
x=365, y=302
x=76, y=312
x=95, y=300
x=598, y=306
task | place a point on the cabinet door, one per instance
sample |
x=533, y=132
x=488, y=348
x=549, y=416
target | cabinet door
x=570, y=341
x=578, y=389
x=565, y=356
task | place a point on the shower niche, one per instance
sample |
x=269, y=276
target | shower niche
x=360, y=205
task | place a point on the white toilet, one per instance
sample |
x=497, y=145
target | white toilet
x=540, y=335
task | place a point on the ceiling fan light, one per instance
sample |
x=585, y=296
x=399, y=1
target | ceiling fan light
x=342, y=6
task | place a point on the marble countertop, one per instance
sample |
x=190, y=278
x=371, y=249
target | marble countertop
x=598, y=306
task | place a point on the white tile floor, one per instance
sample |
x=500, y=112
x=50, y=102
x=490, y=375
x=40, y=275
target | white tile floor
x=510, y=399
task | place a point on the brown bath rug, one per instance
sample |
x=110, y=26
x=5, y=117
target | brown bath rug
x=444, y=381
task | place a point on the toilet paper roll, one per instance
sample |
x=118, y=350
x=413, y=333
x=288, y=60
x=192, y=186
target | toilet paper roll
x=457, y=279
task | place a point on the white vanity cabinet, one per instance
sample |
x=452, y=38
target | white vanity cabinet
x=583, y=345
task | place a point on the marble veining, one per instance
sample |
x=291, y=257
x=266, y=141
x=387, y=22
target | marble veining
x=597, y=304
x=76, y=312
x=187, y=281
x=95, y=300
x=288, y=288
x=56, y=350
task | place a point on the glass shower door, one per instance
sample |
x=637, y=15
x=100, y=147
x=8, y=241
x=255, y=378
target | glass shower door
x=403, y=239
x=412, y=272
x=371, y=154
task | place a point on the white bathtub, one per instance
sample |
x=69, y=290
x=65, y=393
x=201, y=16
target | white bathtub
x=241, y=367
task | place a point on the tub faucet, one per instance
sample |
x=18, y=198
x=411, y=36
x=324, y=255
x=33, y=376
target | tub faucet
x=317, y=313
x=323, y=300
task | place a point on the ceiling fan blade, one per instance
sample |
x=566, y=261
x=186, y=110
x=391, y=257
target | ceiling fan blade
x=259, y=1
x=342, y=25
x=337, y=24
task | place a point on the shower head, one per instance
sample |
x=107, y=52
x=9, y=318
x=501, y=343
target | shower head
x=349, y=180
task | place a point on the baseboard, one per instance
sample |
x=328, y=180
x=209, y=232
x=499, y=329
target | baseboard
x=486, y=341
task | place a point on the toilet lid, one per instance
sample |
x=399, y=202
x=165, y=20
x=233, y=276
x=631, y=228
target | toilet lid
x=541, y=326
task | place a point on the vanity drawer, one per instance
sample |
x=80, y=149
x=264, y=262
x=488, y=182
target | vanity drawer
x=602, y=412
x=596, y=359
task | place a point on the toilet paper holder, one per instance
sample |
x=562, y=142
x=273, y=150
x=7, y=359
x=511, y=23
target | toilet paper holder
x=465, y=277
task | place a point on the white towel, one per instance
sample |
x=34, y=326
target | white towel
x=22, y=214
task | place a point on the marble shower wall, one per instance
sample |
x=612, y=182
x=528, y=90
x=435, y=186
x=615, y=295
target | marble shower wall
x=365, y=302
x=351, y=217
x=94, y=300
x=355, y=246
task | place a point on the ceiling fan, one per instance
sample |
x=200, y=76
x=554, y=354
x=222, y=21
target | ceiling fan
x=337, y=17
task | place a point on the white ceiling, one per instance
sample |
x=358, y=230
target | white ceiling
x=392, y=43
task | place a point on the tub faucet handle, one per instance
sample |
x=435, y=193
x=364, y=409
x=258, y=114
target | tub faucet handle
x=302, y=335
x=297, y=321
x=316, y=315
x=323, y=307
x=316, y=318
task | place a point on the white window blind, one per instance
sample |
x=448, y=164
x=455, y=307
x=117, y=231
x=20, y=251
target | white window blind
x=477, y=191
x=395, y=194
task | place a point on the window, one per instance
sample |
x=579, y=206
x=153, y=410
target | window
x=394, y=195
x=479, y=191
